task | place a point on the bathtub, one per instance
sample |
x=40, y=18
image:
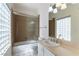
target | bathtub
x=25, y=42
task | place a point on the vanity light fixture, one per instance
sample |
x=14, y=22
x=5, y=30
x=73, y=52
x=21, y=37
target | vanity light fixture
x=55, y=10
x=61, y=6
x=58, y=5
x=50, y=9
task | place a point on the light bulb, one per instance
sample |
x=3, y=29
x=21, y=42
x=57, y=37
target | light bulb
x=50, y=9
x=55, y=10
x=58, y=5
x=63, y=6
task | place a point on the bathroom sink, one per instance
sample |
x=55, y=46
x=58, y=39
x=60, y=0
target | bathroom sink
x=51, y=43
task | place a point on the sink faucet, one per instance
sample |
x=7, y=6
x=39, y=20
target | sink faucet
x=59, y=36
x=54, y=39
x=50, y=38
x=58, y=39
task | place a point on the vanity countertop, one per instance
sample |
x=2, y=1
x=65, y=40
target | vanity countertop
x=61, y=50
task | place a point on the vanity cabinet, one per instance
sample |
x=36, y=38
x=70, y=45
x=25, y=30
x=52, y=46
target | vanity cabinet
x=42, y=51
x=47, y=52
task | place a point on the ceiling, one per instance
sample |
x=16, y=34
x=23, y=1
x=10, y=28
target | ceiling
x=26, y=8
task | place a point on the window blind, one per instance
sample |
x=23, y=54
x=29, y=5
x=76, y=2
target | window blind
x=5, y=28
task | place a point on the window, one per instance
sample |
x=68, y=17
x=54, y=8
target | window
x=5, y=28
x=63, y=28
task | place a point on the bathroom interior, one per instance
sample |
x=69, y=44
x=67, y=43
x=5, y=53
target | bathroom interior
x=51, y=31
x=63, y=29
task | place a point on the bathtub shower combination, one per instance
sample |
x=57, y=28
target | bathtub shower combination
x=25, y=48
